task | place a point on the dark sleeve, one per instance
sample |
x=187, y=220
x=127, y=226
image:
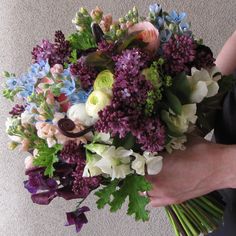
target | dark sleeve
x=225, y=128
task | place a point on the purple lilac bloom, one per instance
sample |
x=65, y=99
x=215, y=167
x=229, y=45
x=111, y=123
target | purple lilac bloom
x=83, y=73
x=126, y=109
x=106, y=47
x=17, y=110
x=56, y=53
x=82, y=186
x=179, y=52
x=77, y=218
x=72, y=153
x=151, y=135
x=130, y=62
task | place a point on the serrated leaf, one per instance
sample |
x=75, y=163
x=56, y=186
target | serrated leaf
x=105, y=194
x=131, y=188
x=47, y=157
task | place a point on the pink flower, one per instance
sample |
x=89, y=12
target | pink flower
x=25, y=145
x=106, y=22
x=57, y=69
x=149, y=34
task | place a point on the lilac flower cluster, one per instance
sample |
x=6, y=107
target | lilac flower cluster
x=56, y=53
x=17, y=110
x=84, y=73
x=179, y=52
x=106, y=47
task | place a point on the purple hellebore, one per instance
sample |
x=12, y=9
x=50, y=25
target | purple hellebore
x=77, y=218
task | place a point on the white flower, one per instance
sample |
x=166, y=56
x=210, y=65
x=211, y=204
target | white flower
x=114, y=162
x=203, y=84
x=91, y=169
x=181, y=123
x=29, y=162
x=78, y=113
x=27, y=118
x=152, y=162
x=13, y=123
x=176, y=143
x=96, y=101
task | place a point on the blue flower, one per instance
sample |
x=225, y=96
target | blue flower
x=155, y=9
x=175, y=17
x=68, y=87
x=66, y=73
x=26, y=91
x=183, y=26
x=80, y=97
x=165, y=35
x=159, y=22
x=12, y=83
x=39, y=70
x=28, y=80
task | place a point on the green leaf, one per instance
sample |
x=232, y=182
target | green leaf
x=73, y=59
x=82, y=40
x=174, y=102
x=47, y=157
x=128, y=142
x=105, y=193
x=182, y=88
x=131, y=188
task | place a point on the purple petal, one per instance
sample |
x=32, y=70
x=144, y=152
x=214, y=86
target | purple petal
x=43, y=198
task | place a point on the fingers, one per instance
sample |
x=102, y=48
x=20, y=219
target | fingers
x=162, y=202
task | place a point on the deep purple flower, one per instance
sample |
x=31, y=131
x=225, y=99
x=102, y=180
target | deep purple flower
x=82, y=186
x=56, y=53
x=77, y=218
x=37, y=181
x=204, y=58
x=72, y=153
x=179, y=51
x=106, y=47
x=17, y=110
x=85, y=74
x=44, y=198
x=151, y=135
x=130, y=62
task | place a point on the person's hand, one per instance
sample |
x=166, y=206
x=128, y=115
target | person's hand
x=200, y=169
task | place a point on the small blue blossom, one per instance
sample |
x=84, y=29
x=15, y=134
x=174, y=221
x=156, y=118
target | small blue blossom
x=27, y=80
x=159, y=22
x=31, y=107
x=66, y=73
x=165, y=35
x=39, y=70
x=12, y=83
x=155, y=9
x=175, y=17
x=68, y=87
x=80, y=97
x=183, y=26
x=26, y=91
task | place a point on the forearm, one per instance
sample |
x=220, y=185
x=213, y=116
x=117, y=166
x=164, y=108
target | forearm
x=226, y=60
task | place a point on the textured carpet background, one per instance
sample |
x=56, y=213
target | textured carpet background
x=23, y=23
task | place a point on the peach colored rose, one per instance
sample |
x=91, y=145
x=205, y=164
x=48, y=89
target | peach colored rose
x=149, y=34
x=57, y=69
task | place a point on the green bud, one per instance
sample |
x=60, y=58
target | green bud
x=12, y=145
x=6, y=74
x=122, y=20
x=83, y=11
x=119, y=32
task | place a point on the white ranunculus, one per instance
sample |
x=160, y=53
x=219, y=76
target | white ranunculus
x=27, y=118
x=203, y=84
x=78, y=113
x=153, y=162
x=114, y=162
x=96, y=101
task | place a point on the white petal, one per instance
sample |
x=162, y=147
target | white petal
x=199, y=92
x=154, y=165
x=213, y=89
x=139, y=164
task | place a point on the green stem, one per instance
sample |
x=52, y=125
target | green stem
x=194, y=219
x=172, y=223
x=209, y=203
x=182, y=221
x=189, y=224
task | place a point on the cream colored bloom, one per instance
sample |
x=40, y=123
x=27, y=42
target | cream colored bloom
x=113, y=161
x=27, y=118
x=29, y=162
x=203, y=84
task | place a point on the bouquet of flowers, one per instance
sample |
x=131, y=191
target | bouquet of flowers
x=98, y=108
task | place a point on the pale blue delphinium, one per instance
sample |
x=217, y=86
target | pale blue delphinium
x=175, y=17
x=66, y=73
x=155, y=9
x=80, y=97
x=165, y=35
x=13, y=83
x=68, y=87
x=160, y=21
x=26, y=91
x=39, y=70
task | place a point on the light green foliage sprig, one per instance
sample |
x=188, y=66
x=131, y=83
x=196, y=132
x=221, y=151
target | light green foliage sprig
x=47, y=157
x=117, y=192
